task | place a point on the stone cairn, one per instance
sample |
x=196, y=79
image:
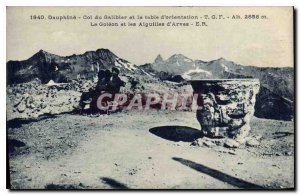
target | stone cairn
x=225, y=106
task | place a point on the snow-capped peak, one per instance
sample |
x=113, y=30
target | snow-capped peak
x=124, y=64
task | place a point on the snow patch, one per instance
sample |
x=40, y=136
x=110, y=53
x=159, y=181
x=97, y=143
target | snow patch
x=118, y=64
x=188, y=60
x=186, y=75
x=127, y=65
x=146, y=73
x=52, y=83
x=225, y=67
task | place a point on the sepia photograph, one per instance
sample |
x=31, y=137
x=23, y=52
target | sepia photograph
x=150, y=98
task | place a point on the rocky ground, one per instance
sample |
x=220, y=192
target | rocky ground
x=34, y=99
x=145, y=150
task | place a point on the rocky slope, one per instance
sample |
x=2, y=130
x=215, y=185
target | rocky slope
x=34, y=99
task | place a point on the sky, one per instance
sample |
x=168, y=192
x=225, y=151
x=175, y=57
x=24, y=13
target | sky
x=259, y=42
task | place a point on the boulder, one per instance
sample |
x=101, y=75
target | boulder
x=231, y=143
x=252, y=142
x=21, y=107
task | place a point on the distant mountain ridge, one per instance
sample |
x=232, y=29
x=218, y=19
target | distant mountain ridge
x=271, y=78
x=47, y=66
x=276, y=96
x=275, y=99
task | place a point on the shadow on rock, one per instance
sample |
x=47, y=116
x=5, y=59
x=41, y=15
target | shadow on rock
x=218, y=174
x=13, y=144
x=18, y=122
x=281, y=134
x=177, y=133
x=64, y=187
x=113, y=183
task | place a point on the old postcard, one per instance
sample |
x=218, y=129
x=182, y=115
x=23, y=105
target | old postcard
x=150, y=98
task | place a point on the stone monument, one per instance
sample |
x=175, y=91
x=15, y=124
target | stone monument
x=225, y=106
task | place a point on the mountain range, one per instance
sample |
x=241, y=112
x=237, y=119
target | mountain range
x=275, y=100
x=47, y=66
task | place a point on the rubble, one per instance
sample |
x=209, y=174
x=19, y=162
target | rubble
x=31, y=100
x=34, y=99
x=231, y=143
x=252, y=142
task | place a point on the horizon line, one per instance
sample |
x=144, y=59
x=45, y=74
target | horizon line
x=220, y=58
